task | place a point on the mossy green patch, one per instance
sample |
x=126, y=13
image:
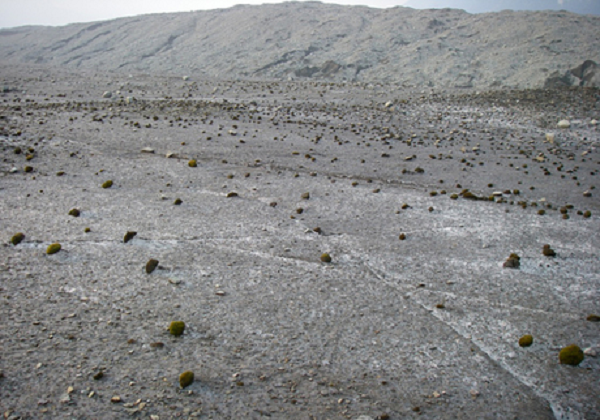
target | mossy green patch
x=326, y=258
x=186, y=379
x=176, y=328
x=107, y=184
x=74, y=212
x=571, y=355
x=526, y=340
x=593, y=318
x=192, y=163
x=151, y=265
x=17, y=238
x=53, y=248
x=177, y=202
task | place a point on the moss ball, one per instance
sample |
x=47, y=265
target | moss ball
x=17, y=238
x=192, y=163
x=454, y=197
x=176, y=328
x=186, y=379
x=53, y=248
x=526, y=340
x=107, y=184
x=177, y=201
x=129, y=236
x=548, y=252
x=232, y=194
x=28, y=169
x=151, y=265
x=593, y=318
x=587, y=214
x=87, y=230
x=571, y=355
x=74, y=212
x=326, y=258
x=402, y=236
x=541, y=212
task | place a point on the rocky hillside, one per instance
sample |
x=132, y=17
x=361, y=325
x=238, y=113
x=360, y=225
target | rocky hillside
x=442, y=48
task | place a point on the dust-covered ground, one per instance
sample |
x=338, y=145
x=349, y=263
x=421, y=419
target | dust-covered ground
x=424, y=327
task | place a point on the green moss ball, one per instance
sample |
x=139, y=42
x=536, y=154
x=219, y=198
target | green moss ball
x=53, y=248
x=176, y=328
x=593, y=318
x=177, y=201
x=28, y=169
x=571, y=355
x=587, y=214
x=107, y=184
x=17, y=238
x=151, y=265
x=74, y=212
x=326, y=258
x=192, y=163
x=129, y=236
x=526, y=340
x=186, y=379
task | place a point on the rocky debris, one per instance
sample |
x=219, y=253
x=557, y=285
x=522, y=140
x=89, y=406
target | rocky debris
x=107, y=95
x=147, y=150
x=564, y=124
x=586, y=74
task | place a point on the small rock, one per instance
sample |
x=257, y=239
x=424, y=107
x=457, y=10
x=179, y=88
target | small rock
x=147, y=150
x=157, y=345
x=65, y=399
x=174, y=281
x=171, y=155
x=550, y=138
x=305, y=196
x=587, y=194
x=220, y=293
x=107, y=94
x=564, y=124
x=513, y=261
x=590, y=351
x=115, y=399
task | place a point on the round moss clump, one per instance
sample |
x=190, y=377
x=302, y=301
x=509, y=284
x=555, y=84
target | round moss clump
x=526, y=340
x=186, y=379
x=571, y=355
x=53, y=248
x=326, y=258
x=74, y=212
x=28, y=169
x=402, y=237
x=151, y=265
x=593, y=318
x=587, y=214
x=548, y=252
x=176, y=328
x=192, y=163
x=17, y=238
x=513, y=261
x=177, y=201
x=129, y=236
x=107, y=184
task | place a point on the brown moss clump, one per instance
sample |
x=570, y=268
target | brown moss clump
x=186, y=379
x=87, y=230
x=151, y=265
x=177, y=201
x=28, y=169
x=571, y=355
x=541, y=212
x=192, y=163
x=129, y=236
x=17, y=238
x=232, y=194
x=326, y=258
x=454, y=197
x=176, y=328
x=107, y=184
x=513, y=261
x=587, y=214
x=402, y=236
x=593, y=318
x=526, y=340
x=53, y=248
x=74, y=212
x=548, y=252
x=305, y=196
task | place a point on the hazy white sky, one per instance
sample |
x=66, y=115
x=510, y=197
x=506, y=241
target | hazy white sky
x=61, y=12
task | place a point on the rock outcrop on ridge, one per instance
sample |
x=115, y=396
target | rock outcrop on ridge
x=441, y=48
